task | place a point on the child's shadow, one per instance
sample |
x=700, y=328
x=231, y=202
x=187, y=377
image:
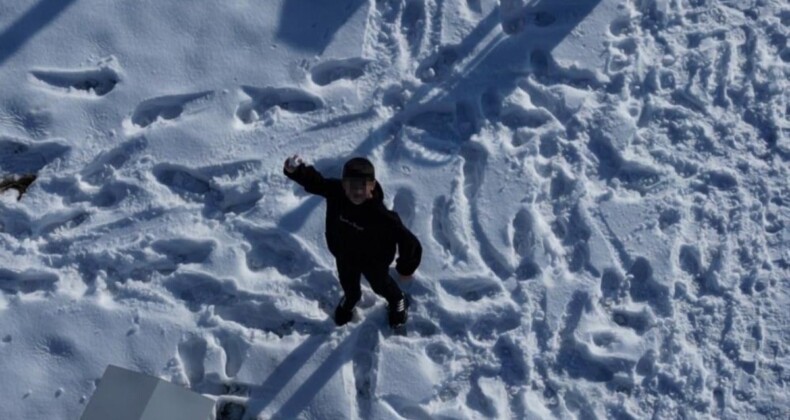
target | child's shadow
x=363, y=339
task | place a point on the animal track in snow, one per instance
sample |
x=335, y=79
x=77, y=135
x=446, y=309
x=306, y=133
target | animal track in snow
x=22, y=157
x=99, y=82
x=263, y=100
x=26, y=282
x=164, y=107
x=331, y=71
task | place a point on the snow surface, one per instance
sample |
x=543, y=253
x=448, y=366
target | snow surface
x=600, y=187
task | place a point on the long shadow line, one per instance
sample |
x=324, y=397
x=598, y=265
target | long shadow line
x=26, y=27
x=312, y=385
x=288, y=368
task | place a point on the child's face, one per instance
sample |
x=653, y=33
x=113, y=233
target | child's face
x=358, y=190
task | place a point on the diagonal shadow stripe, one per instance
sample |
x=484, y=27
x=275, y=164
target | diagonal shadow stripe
x=26, y=27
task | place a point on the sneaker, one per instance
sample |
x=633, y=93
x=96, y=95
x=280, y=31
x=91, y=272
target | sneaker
x=343, y=315
x=398, y=314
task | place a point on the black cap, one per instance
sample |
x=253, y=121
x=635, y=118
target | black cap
x=359, y=168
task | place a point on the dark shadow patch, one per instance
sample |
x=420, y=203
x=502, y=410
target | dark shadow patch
x=491, y=104
x=690, y=259
x=310, y=26
x=668, y=218
x=230, y=410
x=611, y=284
x=26, y=27
x=413, y=24
x=404, y=204
x=644, y=288
x=273, y=247
x=640, y=321
x=17, y=157
x=18, y=183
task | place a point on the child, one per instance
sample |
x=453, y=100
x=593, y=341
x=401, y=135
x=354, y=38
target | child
x=361, y=234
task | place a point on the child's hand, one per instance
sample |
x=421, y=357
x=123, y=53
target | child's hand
x=292, y=163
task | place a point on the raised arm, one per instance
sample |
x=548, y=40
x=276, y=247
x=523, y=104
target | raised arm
x=306, y=176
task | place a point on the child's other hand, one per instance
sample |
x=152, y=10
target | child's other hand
x=292, y=163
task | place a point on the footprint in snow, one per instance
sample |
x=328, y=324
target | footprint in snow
x=164, y=108
x=184, y=251
x=404, y=204
x=192, y=353
x=264, y=100
x=413, y=25
x=100, y=169
x=95, y=82
x=26, y=282
x=331, y=71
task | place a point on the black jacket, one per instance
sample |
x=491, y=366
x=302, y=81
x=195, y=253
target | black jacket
x=365, y=234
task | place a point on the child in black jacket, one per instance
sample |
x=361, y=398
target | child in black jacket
x=361, y=234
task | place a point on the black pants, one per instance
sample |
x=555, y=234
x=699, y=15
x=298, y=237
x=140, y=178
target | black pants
x=379, y=278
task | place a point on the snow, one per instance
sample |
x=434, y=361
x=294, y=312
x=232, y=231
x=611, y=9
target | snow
x=599, y=186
